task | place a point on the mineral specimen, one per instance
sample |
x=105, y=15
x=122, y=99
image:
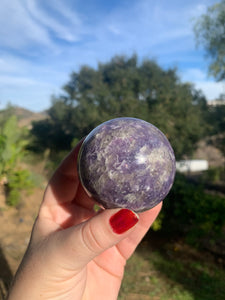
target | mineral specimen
x=127, y=162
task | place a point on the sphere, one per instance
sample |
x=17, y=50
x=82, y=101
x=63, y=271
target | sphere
x=127, y=163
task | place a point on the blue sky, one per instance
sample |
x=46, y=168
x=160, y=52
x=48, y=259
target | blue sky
x=42, y=42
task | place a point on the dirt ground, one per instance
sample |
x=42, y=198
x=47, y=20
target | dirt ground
x=15, y=228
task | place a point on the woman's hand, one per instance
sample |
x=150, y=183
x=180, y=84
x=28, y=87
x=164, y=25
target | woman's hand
x=74, y=252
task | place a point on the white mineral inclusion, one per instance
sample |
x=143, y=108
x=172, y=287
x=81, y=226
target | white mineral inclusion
x=140, y=158
x=127, y=162
x=152, y=160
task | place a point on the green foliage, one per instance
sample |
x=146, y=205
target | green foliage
x=175, y=271
x=5, y=114
x=192, y=212
x=126, y=87
x=216, y=117
x=157, y=225
x=17, y=182
x=214, y=175
x=123, y=87
x=53, y=161
x=209, y=30
x=12, y=145
x=13, y=142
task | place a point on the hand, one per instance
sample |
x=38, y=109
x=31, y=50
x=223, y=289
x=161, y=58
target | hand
x=75, y=253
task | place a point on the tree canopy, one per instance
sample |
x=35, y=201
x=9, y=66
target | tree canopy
x=210, y=33
x=124, y=87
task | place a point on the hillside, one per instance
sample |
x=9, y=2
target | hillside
x=25, y=116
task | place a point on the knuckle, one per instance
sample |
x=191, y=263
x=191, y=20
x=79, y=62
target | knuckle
x=91, y=240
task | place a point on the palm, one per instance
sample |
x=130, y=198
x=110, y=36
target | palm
x=63, y=208
x=104, y=274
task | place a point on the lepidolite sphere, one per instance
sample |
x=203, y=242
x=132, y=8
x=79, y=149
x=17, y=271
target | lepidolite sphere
x=127, y=162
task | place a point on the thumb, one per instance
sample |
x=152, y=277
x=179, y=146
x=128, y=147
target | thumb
x=81, y=243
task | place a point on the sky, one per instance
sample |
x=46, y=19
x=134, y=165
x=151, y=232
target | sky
x=43, y=42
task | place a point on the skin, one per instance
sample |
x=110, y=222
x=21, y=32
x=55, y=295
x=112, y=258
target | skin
x=73, y=251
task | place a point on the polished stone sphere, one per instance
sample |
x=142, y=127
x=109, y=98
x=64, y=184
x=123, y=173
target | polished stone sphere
x=127, y=162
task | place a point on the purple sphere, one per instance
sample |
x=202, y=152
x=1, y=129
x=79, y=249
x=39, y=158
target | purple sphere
x=127, y=162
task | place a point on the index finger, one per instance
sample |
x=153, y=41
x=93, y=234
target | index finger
x=63, y=185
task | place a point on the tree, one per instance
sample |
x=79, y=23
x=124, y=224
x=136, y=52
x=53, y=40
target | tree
x=210, y=33
x=124, y=87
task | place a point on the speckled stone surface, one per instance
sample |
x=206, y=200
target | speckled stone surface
x=127, y=162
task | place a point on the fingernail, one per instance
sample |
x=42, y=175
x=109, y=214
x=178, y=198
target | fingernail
x=123, y=220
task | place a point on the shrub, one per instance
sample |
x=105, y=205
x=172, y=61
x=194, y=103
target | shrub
x=214, y=175
x=190, y=211
x=17, y=182
x=13, y=141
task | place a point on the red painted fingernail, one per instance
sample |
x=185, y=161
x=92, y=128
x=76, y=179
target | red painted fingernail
x=123, y=220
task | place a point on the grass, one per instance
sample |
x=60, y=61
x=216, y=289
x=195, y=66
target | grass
x=174, y=272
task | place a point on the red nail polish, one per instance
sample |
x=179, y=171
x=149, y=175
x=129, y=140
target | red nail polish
x=123, y=220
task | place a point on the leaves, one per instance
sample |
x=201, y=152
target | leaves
x=12, y=145
x=197, y=212
x=124, y=87
x=210, y=33
x=17, y=181
x=12, y=149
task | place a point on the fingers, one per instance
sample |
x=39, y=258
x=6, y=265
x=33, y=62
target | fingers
x=83, y=199
x=65, y=202
x=80, y=244
x=127, y=246
x=89, y=238
x=63, y=185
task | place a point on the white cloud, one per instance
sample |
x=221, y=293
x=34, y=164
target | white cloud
x=149, y=26
x=193, y=74
x=211, y=89
x=48, y=31
x=25, y=25
x=16, y=81
x=199, y=78
x=12, y=65
x=114, y=29
x=68, y=13
x=198, y=9
x=61, y=30
x=5, y=66
x=17, y=28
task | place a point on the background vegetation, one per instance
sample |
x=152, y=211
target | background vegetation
x=13, y=142
x=126, y=87
x=209, y=30
x=194, y=211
